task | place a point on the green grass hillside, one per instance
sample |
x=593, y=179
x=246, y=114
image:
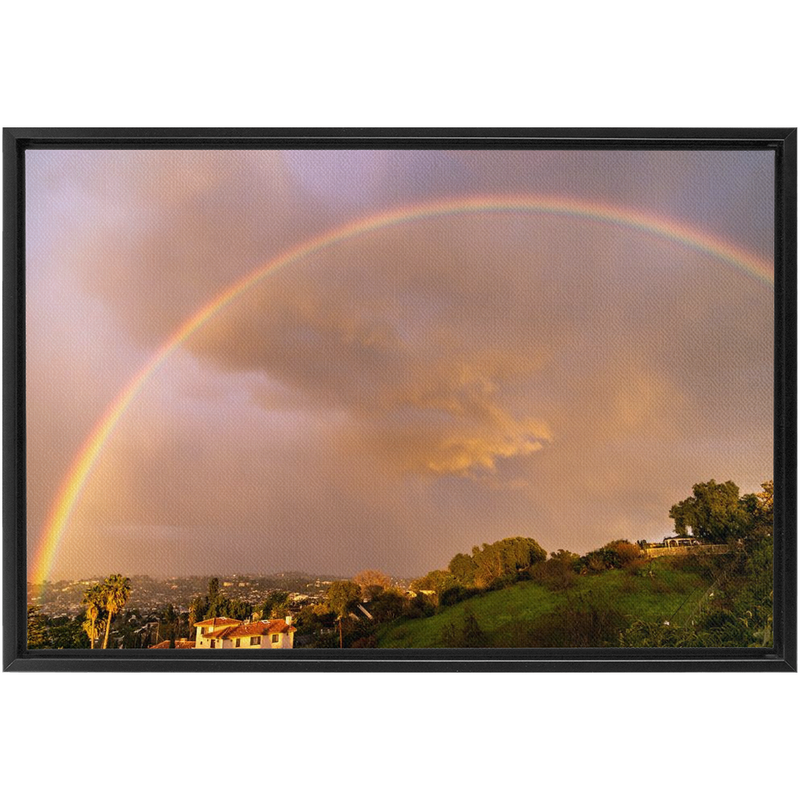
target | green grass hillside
x=592, y=612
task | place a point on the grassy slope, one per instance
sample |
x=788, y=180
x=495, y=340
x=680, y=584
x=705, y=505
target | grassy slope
x=670, y=593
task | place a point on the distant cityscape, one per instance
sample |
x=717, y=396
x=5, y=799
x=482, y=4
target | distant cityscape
x=59, y=598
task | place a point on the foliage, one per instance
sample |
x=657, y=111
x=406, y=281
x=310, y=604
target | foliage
x=497, y=564
x=587, y=622
x=518, y=616
x=67, y=632
x=438, y=582
x=457, y=594
x=276, y=606
x=94, y=600
x=763, y=509
x=558, y=572
x=116, y=590
x=313, y=617
x=467, y=634
x=714, y=513
x=343, y=596
x=462, y=568
x=38, y=637
x=737, y=611
x=614, y=555
x=388, y=605
x=217, y=604
x=372, y=582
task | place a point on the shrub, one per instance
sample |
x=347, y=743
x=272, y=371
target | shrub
x=627, y=553
x=556, y=574
x=457, y=594
x=579, y=627
x=469, y=634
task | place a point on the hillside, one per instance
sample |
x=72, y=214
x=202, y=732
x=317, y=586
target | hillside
x=590, y=613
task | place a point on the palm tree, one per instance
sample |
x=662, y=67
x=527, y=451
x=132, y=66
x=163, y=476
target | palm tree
x=94, y=600
x=116, y=591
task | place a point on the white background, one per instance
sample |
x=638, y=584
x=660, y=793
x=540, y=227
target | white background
x=680, y=64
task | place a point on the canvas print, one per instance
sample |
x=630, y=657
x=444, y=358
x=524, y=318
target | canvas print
x=337, y=399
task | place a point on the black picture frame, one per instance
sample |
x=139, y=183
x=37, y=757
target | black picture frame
x=781, y=657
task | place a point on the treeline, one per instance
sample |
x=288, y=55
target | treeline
x=488, y=567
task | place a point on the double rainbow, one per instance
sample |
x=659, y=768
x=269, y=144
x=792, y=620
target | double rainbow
x=81, y=468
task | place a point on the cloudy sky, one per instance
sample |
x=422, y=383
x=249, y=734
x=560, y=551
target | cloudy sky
x=401, y=396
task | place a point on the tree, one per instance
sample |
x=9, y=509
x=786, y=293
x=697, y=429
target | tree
x=94, y=600
x=275, y=606
x=501, y=562
x=37, y=629
x=372, y=582
x=763, y=511
x=766, y=500
x=68, y=632
x=388, y=605
x=462, y=568
x=714, y=513
x=342, y=597
x=438, y=581
x=197, y=611
x=116, y=591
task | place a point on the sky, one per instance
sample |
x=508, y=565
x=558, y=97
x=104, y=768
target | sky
x=402, y=395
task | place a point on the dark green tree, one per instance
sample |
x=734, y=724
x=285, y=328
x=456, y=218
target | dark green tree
x=68, y=632
x=498, y=563
x=388, y=605
x=714, y=513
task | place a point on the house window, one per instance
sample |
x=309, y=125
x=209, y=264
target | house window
x=203, y=631
x=276, y=637
x=238, y=642
x=213, y=643
x=255, y=640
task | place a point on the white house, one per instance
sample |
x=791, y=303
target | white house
x=227, y=633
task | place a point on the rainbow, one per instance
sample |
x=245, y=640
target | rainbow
x=81, y=468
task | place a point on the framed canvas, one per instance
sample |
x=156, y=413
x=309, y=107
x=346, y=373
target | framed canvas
x=399, y=399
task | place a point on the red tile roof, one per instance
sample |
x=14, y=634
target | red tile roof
x=219, y=633
x=257, y=629
x=215, y=621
